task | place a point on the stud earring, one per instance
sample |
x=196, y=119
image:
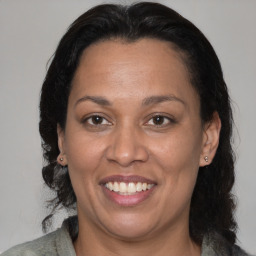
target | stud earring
x=206, y=159
x=61, y=159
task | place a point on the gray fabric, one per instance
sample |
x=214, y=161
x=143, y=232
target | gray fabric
x=59, y=243
x=216, y=245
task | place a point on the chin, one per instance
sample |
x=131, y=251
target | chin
x=130, y=227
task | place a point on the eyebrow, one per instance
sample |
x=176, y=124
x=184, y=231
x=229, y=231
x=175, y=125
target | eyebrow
x=147, y=101
x=96, y=99
x=161, y=98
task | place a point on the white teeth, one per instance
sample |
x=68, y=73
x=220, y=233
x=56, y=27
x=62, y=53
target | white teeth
x=131, y=187
x=110, y=186
x=128, y=188
x=139, y=186
x=116, y=187
x=144, y=186
x=149, y=186
x=123, y=187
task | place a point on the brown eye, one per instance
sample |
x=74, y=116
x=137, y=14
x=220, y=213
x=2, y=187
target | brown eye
x=158, y=120
x=97, y=120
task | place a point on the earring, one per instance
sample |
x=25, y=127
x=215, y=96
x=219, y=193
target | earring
x=206, y=159
x=61, y=160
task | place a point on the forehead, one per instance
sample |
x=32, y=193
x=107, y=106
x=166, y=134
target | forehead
x=148, y=66
x=142, y=54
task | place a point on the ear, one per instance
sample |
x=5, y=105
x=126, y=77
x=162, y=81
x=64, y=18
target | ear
x=61, y=159
x=210, y=140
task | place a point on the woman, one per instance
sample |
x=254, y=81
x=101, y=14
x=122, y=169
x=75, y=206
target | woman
x=136, y=126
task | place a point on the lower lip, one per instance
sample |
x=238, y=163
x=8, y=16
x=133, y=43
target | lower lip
x=128, y=200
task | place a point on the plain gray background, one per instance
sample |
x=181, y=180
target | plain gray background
x=29, y=33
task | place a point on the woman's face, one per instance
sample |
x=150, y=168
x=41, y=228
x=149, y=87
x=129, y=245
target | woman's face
x=133, y=140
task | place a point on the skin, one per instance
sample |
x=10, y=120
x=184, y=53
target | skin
x=129, y=141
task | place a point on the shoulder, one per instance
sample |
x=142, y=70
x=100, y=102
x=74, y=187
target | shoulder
x=214, y=245
x=52, y=244
x=40, y=246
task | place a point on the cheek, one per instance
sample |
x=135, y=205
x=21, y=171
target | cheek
x=178, y=155
x=84, y=154
x=179, y=161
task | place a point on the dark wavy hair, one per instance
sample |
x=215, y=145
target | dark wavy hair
x=212, y=205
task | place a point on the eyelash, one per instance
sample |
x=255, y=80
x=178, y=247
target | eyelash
x=166, y=121
x=86, y=120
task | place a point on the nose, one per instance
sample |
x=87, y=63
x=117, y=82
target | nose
x=126, y=147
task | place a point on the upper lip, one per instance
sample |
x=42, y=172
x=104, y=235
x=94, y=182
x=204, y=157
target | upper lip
x=126, y=179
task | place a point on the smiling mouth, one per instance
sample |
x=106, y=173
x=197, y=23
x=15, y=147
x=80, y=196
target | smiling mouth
x=126, y=189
